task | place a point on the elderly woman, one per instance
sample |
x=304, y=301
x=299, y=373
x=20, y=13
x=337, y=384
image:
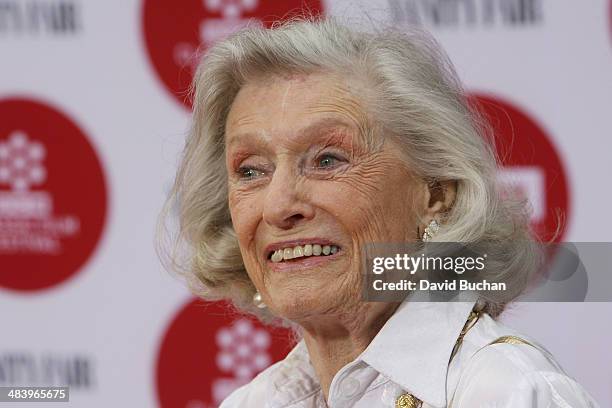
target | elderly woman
x=311, y=140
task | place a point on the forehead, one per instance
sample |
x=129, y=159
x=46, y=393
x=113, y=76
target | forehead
x=285, y=105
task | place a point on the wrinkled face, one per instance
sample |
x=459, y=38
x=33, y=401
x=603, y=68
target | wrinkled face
x=306, y=192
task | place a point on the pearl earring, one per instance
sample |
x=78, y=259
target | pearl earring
x=430, y=230
x=258, y=301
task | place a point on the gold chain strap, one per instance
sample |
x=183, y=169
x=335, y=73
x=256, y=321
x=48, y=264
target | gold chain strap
x=408, y=400
x=503, y=339
x=510, y=340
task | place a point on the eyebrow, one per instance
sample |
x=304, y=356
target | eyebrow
x=323, y=123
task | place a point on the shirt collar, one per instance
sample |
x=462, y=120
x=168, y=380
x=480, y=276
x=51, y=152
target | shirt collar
x=412, y=349
x=414, y=346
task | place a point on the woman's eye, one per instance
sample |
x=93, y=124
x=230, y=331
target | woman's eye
x=249, y=173
x=327, y=160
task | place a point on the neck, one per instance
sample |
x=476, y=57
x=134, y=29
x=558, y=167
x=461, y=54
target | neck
x=334, y=340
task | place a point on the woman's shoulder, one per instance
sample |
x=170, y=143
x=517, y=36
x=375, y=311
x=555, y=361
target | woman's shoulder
x=499, y=367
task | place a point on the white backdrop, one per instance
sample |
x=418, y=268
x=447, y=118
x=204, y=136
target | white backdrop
x=86, y=84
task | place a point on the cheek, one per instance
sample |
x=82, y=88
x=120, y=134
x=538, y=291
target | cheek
x=374, y=200
x=244, y=208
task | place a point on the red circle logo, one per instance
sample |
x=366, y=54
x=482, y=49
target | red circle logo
x=532, y=167
x=52, y=196
x=176, y=35
x=209, y=350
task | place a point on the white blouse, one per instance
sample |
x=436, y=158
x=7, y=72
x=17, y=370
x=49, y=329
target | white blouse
x=410, y=354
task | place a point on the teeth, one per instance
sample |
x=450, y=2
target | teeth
x=298, y=251
x=302, y=251
x=277, y=256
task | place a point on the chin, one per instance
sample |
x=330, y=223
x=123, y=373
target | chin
x=297, y=305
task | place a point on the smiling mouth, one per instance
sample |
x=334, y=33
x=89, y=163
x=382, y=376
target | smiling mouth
x=299, y=252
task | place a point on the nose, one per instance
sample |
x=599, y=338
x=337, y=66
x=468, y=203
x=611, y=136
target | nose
x=286, y=205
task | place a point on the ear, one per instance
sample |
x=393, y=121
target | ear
x=439, y=197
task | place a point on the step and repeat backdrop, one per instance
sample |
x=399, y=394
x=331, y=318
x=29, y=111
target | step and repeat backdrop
x=93, y=115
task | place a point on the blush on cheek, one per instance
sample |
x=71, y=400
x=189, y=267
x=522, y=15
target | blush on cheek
x=374, y=198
